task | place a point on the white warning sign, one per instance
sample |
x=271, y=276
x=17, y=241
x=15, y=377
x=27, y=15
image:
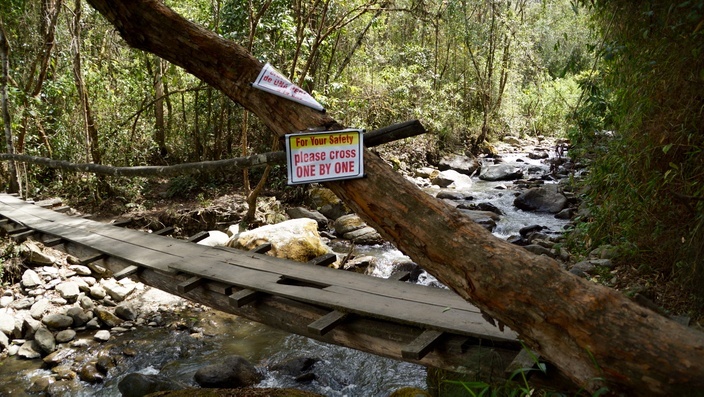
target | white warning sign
x=327, y=156
x=272, y=81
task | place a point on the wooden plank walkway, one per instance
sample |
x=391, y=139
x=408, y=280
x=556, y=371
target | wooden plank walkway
x=246, y=278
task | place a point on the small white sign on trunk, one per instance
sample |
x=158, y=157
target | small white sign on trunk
x=325, y=156
x=272, y=81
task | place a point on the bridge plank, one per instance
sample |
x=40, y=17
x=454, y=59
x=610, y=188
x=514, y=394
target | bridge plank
x=190, y=284
x=126, y=272
x=326, y=323
x=425, y=307
x=382, y=287
x=337, y=297
x=422, y=345
x=244, y=297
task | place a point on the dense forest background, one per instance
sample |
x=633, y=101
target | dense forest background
x=623, y=80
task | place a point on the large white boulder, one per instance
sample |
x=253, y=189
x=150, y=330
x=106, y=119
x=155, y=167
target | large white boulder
x=296, y=239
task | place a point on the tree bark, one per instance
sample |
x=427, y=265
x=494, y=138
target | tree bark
x=594, y=334
x=13, y=184
x=160, y=127
x=92, y=147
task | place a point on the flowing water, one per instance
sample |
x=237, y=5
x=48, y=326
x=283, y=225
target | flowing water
x=338, y=372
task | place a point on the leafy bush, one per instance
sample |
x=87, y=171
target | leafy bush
x=646, y=189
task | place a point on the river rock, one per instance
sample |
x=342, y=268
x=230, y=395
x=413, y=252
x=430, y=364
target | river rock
x=512, y=140
x=327, y=203
x=22, y=304
x=605, y=251
x=348, y=223
x=486, y=219
x=364, y=236
x=80, y=317
x=63, y=388
x=360, y=264
x=453, y=195
x=106, y=317
x=126, y=311
x=89, y=373
x=215, y=238
x=93, y=323
x=565, y=214
x=138, y=385
x=481, y=207
x=87, y=303
x=298, y=368
x=66, y=335
x=7, y=324
x=295, y=239
x=57, y=357
x=582, y=268
x=81, y=270
x=30, y=279
x=538, y=154
x=68, y=290
x=64, y=372
x=29, y=350
x=4, y=341
x=233, y=372
x=500, y=172
x=117, y=290
x=539, y=250
x=57, y=321
x=529, y=230
x=452, y=178
x=97, y=292
x=301, y=212
x=40, y=384
x=30, y=326
x=33, y=255
x=105, y=363
x=542, y=199
x=102, y=336
x=406, y=266
x=6, y=300
x=460, y=163
x=426, y=172
x=352, y=227
x=82, y=284
x=45, y=340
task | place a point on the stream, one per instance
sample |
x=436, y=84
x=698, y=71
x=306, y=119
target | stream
x=177, y=354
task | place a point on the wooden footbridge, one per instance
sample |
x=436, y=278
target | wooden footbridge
x=387, y=317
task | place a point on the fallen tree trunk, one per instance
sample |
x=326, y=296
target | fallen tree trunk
x=594, y=334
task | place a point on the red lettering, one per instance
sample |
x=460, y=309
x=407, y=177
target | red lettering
x=305, y=171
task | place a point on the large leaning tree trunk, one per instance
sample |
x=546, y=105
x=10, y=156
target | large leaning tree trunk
x=594, y=334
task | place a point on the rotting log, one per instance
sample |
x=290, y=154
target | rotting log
x=594, y=334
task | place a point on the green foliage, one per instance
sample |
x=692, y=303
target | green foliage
x=646, y=184
x=10, y=261
x=370, y=67
x=517, y=384
x=545, y=107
